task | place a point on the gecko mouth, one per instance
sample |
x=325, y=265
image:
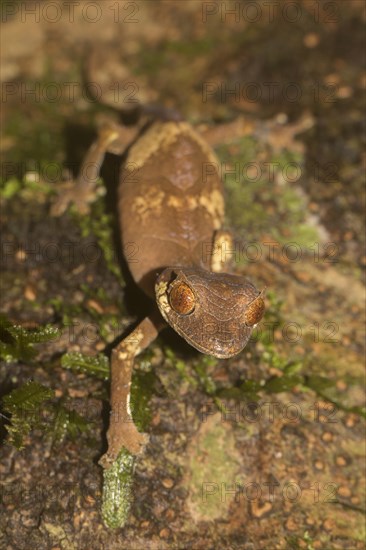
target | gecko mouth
x=218, y=339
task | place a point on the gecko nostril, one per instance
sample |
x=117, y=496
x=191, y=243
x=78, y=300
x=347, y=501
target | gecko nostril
x=182, y=299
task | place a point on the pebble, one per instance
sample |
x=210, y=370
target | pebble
x=303, y=276
x=164, y=533
x=291, y=524
x=331, y=79
x=258, y=511
x=327, y=436
x=346, y=340
x=96, y=306
x=21, y=255
x=341, y=385
x=29, y=293
x=168, y=483
x=156, y=419
x=344, y=92
x=328, y=524
x=350, y=421
x=348, y=235
x=311, y=40
x=344, y=491
x=341, y=461
x=73, y=392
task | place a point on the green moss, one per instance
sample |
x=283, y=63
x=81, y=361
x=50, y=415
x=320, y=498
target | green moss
x=117, y=490
x=262, y=196
x=326, y=389
x=66, y=422
x=181, y=366
x=306, y=542
x=40, y=139
x=191, y=48
x=10, y=188
x=242, y=208
x=17, y=343
x=30, y=408
x=38, y=132
x=100, y=224
x=30, y=188
x=24, y=405
x=211, y=470
x=97, y=366
x=143, y=381
x=141, y=391
x=152, y=60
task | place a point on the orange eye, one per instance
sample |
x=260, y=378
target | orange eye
x=254, y=312
x=182, y=299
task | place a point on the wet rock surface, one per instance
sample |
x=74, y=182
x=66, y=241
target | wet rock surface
x=261, y=451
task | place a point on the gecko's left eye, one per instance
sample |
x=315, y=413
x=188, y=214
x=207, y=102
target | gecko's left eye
x=182, y=299
x=254, y=312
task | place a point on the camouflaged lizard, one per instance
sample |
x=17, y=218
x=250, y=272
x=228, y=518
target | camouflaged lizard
x=171, y=207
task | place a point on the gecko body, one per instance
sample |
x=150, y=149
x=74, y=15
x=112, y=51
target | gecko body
x=171, y=207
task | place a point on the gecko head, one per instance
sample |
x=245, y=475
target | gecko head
x=214, y=312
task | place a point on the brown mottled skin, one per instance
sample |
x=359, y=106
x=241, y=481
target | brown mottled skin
x=171, y=208
x=163, y=202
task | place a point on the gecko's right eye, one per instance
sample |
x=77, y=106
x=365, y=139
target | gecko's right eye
x=182, y=299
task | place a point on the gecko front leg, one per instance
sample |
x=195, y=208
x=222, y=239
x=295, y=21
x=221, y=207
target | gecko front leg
x=222, y=252
x=122, y=431
x=112, y=138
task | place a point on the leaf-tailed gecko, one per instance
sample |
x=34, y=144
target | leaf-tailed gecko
x=171, y=206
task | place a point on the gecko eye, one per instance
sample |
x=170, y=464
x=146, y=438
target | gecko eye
x=254, y=313
x=182, y=299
